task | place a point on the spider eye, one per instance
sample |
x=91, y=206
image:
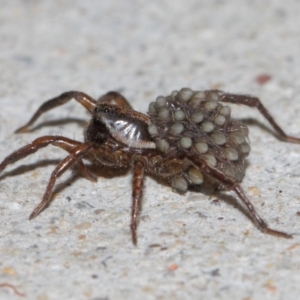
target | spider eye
x=100, y=109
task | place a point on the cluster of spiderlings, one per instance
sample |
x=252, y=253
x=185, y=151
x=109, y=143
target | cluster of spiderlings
x=197, y=122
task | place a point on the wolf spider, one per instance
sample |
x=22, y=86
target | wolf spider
x=188, y=139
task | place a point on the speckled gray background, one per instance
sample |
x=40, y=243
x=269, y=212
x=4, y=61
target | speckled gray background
x=189, y=248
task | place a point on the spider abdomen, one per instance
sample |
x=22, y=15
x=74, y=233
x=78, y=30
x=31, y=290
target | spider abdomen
x=197, y=123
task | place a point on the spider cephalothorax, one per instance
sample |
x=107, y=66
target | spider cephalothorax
x=187, y=139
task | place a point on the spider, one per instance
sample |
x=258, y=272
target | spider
x=188, y=139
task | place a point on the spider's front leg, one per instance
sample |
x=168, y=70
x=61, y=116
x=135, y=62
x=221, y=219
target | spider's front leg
x=234, y=186
x=255, y=102
x=76, y=154
x=137, y=192
x=76, y=149
x=58, y=141
x=88, y=102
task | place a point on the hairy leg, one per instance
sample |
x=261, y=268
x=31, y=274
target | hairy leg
x=58, y=141
x=137, y=192
x=88, y=102
x=77, y=153
x=256, y=103
x=234, y=186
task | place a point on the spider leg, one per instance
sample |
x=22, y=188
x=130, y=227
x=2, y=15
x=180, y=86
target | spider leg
x=138, y=180
x=58, y=141
x=261, y=223
x=77, y=153
x=234, y=186
x=115, y=98
x=85, y=172
x=88, y=102
x=255, y=102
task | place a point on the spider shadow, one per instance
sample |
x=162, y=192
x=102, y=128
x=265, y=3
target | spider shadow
x=109, y=172
x=29, y=167
x=262, y=126
x=60, y=122
x=236, y=204
x=99, y=170
x=210, y=189
x=231, y=200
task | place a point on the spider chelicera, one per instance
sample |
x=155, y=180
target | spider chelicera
x=188, y=139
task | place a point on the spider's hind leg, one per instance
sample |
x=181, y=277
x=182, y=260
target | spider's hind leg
x=254, y=215
x=232, y=185
x=256, y=103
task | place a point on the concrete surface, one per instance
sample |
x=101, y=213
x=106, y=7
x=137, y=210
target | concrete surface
x=190, y=247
